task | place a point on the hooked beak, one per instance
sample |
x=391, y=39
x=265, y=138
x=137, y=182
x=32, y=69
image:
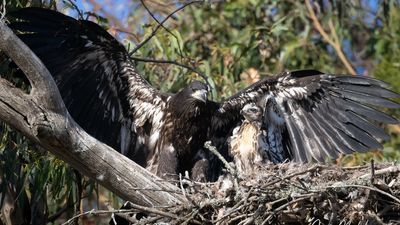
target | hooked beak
x=200, y=95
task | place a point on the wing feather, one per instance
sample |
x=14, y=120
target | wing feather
x=365, y=98
x=94, y=73
x=331, y=125
x=324, y=114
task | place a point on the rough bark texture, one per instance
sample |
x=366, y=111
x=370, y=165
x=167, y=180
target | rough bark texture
x=42, y=117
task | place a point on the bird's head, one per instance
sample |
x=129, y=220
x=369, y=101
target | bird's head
x=251, y=112
x=190, y=101
x=198, y=91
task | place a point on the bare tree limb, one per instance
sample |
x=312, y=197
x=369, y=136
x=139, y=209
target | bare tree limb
x=214, y=150
x=161, y=24
x=96, y=212
x=37, y=74
x=202, y=75
x=334, y=41
x=43, y=118
x=165, y=28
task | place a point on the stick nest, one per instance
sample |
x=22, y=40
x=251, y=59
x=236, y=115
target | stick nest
x=290, y=193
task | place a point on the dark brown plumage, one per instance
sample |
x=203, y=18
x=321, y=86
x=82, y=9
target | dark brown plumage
x=307, y=115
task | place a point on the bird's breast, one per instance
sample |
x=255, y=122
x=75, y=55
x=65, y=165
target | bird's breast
x=245, y=142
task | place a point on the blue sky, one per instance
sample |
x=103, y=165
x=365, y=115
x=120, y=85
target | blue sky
x=120, y=8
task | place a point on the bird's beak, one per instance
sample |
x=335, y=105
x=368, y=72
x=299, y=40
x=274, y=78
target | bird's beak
x=200, y=95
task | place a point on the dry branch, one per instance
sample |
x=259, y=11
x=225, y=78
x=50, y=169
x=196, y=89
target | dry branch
x=42, y=117
x=160, y=24
x=95, y=212
x=334, y=41
x=161, y=61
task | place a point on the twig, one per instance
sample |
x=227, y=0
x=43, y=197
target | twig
x=214, y=150
x=156, y=190
x=191, y=217
x=202, y=75
x=123, y=30
x=149, y=220
x=292, y=183
x=184, y=191
x=160, y=24
x=257, y=213
x=152, y=210
x=372, y=171
x=238, y=206
x=354, y=167
x=181, y=186
x=118, y=25
x=391, y=169
x=301, y=198
x=238, y=217
x=293, y=175
x=234, y=209
x=334, y=41
x=304, y=187
x=231, y=170
x=155, y=19
x=3, y=10
x=125, y=216
x=96, y=212
x=73, y=4
x=365, y=187
x=286, y=205
x=270, y=204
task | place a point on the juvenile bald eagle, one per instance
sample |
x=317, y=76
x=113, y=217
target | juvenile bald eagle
x=110, y=100
x=312, y=115
x=245, y=144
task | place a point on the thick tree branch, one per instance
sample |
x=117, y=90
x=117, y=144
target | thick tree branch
x=36, y=72
x=42, y=117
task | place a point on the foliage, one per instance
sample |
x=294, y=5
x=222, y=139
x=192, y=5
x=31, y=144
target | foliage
x=234, y=43
x=237, y=42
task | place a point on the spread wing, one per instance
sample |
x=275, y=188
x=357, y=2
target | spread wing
x=321, y=114
x=95, y=76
